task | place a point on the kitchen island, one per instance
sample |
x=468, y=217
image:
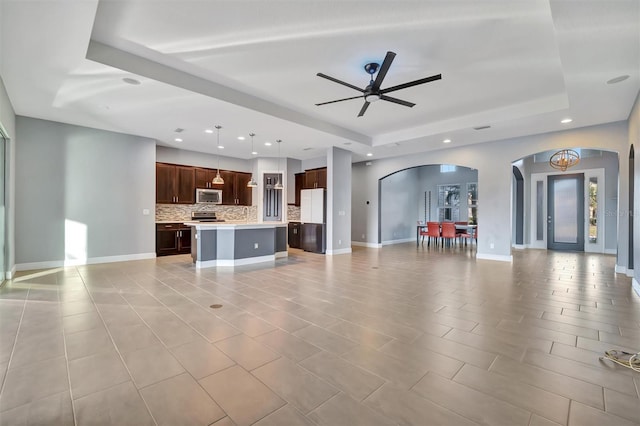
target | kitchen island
x=233, y=244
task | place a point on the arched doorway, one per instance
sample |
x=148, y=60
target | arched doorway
x=596, y=176
x=439, y=192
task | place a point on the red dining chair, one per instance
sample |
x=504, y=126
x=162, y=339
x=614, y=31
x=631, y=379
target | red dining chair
x=433, y=231
x=448, y=232
x=422, y=231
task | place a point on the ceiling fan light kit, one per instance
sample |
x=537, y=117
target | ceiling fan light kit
x=373, y=92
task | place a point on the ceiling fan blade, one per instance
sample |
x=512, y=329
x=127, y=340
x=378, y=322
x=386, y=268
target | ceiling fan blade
x=364, y=109
x=411, y=83
x=397, y=101
x=335, y=80
x=340, y=100
x=383, y=71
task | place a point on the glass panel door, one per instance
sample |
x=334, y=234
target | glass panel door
x=593, y=210
x=565, y=212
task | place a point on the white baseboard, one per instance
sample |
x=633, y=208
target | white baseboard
x=339, y=251
x=78, y=262
x=519, y=246
x=636, y=286
x=619, y=269
x=11, y=273
x=610, y=251
x=400, y=241
x=630, y=273
x=363, y=244
x=234, y=262
x=281, y=254
x=498, y=257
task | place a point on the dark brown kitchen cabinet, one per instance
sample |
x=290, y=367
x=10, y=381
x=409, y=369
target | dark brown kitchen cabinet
x=294, y=234
x=234, y=190
x=204, y=178
x=175, y=184
x=315, y=178
x=299, y=184
x=172, y=238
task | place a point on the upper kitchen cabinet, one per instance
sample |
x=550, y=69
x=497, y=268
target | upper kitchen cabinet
x=175, y=184
x=234, y=190
x=204, y=178
x=315, y=178
x=299, y=184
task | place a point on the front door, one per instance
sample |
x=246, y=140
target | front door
x=565, y=212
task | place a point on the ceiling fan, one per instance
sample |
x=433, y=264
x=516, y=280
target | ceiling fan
x=373, y=92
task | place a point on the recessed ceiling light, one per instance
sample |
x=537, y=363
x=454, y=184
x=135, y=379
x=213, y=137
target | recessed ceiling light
x=446, y=141
x=220, y=147
x=129, y=80
x=240, y=138
x=566, y=120
x=267, y=143
x=208, y=131
x=618, y=79
x=178, y=140
x=369, y=154
x=254, y=152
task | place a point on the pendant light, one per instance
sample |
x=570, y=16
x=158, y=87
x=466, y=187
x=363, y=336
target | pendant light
x=218, y=179
x=278, y=184
x=252, y=183
x=564, y=159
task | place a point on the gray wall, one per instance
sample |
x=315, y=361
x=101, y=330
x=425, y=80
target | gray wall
x=338, y=200
x=191, y=158
x=400, y=203
x=293, y=166
x=8, y=122
x=314, y=163
x=100, y=180
x=493, y=162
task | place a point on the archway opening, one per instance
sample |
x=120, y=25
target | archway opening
x=570, y=209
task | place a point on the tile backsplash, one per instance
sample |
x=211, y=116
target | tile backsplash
x=293, y=213
x=182, y=212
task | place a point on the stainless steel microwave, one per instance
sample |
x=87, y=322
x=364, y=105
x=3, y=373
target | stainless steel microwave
x=208, y=196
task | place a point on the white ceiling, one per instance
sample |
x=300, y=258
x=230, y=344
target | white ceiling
x=250, y=66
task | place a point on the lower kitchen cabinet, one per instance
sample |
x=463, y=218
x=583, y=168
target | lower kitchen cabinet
x=294, y=234
x=172, y=238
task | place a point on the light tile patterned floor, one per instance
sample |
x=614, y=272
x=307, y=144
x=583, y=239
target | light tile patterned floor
x=401, y=335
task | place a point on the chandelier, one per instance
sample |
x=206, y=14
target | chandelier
x=564, y=159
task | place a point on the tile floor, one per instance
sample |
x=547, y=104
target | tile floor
x=399, y=335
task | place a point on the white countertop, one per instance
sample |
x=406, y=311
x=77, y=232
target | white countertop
x=234, y=225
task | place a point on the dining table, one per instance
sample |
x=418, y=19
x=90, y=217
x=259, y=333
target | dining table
x=468, y=227
x=471, y=229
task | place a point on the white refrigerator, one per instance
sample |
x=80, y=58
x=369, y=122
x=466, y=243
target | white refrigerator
x=312, y=218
